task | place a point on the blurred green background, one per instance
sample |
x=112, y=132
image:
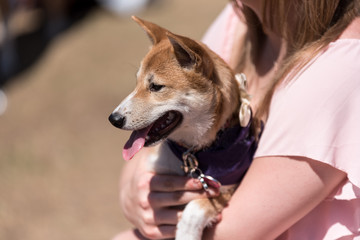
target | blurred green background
x=60, y=159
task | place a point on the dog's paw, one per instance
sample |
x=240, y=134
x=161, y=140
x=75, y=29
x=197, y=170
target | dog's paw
x=195, y=218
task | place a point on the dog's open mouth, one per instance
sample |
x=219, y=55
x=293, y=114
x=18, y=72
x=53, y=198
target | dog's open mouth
x=162, y=127
x=152, y=134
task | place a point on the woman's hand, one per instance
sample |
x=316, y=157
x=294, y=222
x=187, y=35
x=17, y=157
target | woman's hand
x=154, y=203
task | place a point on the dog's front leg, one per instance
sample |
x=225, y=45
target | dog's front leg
x=196, y=216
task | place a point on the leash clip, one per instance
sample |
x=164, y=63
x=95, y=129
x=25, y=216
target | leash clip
x=189, y=162
x=190, y=167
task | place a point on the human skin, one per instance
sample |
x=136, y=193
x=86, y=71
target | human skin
x=275, y=193
x=153, y=202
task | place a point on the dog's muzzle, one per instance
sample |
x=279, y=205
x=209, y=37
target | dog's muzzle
x=117, y=119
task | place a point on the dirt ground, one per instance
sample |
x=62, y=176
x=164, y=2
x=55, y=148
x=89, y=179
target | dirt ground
x=60, y=158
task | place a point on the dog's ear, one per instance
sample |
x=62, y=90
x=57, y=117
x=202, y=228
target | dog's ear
x=184, y=51
x=155, y=32
x=192, y=55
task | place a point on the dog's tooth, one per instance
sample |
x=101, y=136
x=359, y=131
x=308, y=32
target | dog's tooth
x=171, y=116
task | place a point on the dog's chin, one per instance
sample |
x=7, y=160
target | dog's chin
x=163, y=127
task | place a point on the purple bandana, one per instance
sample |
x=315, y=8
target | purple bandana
x=228, y=158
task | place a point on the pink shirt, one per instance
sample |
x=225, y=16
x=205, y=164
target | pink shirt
x=316, y=116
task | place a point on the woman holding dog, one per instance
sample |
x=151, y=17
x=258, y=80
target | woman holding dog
x=304, y=182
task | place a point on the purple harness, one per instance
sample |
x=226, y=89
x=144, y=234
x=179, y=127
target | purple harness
x=228, y=158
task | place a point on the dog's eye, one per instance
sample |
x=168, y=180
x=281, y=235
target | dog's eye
x=155, y=87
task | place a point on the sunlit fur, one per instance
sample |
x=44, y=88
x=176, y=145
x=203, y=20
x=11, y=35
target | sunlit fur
x=198, y=84
x=205, y=104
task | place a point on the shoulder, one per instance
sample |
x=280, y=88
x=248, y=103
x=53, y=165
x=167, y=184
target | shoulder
x=336, y=68
x=338, y=63
x=322, y=88
x=316, y=115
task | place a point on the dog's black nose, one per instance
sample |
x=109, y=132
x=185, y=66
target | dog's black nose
x=117, y=119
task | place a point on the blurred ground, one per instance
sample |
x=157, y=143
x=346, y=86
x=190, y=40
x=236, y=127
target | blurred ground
x=59, y=157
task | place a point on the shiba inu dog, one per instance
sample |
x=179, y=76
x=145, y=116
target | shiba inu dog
x=189, y=100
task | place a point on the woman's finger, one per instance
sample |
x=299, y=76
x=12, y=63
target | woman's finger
x=177, y=198
x=168, y=216
x=161, y=216
x=171, y=183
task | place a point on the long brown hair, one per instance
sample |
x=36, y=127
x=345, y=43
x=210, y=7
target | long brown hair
x=317, y=23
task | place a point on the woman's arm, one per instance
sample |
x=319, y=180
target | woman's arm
x=153, y=203
x=275, y=193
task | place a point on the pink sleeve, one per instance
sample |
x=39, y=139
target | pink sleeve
x=317, y=115
x=220, y=35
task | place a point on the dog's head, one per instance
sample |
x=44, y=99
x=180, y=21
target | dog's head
x=178, y=94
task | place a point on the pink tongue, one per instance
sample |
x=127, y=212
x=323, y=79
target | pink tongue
x=135, y=143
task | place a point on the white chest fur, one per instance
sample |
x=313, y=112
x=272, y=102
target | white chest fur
x=163, y=161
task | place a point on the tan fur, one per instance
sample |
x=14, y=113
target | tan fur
x=160, y=61
x=200, y=85
x=217, y=204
